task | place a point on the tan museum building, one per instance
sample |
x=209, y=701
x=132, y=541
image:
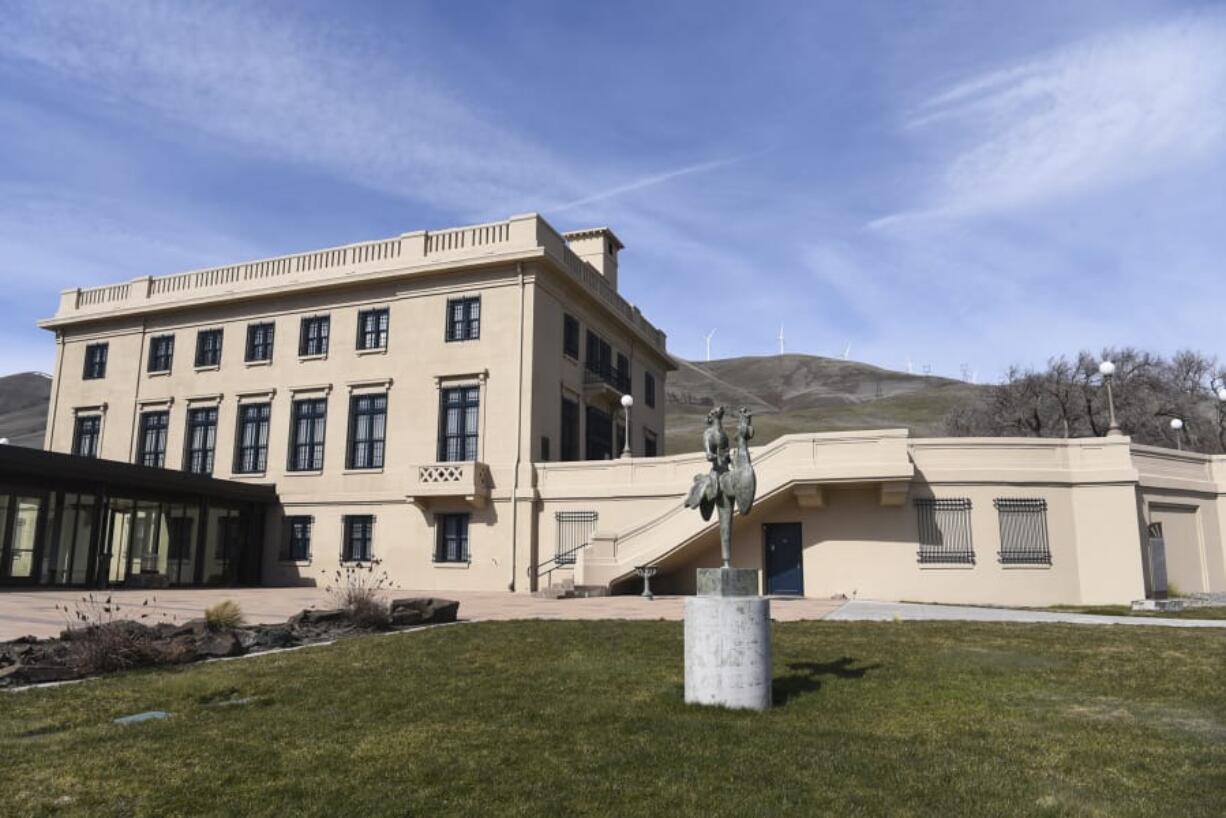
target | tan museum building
x=449, y=403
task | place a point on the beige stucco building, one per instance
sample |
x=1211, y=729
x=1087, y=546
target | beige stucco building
x=447, y=403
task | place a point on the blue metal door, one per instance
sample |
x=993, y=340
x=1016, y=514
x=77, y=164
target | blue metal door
x=784, y=573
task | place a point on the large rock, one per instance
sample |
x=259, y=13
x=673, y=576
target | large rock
x=38, y=674
x=432, y=610
x=266, y=637
x=219, y=644
x=316, y=617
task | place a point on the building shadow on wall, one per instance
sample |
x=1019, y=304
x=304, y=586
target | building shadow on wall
x=806, y=677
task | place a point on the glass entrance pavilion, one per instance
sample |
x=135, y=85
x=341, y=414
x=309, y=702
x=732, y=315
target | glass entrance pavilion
x=78, y=521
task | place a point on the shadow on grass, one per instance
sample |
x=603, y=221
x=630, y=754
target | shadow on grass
x=806, y=677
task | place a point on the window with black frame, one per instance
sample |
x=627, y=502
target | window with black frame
x=161, y=353
x=201, y=440
x=452, y=532
x=570, y=430
x=458, y=423
x=313, y=336
x=367, y=431
x=86, y=432
x=651, y=445
x=151, y=440
x=649, y=389
x=944, y=530
x=1023, y=531
x=372, y=329
x=308, y=424
x=95, y=361
x=260, y=339
x=296, y=545
x=208, y=347
x=464, y=319
x=359, y=538
x=251, y=449
x=570, y=336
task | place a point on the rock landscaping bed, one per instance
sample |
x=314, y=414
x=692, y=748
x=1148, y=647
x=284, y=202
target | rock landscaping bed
x=122, y=644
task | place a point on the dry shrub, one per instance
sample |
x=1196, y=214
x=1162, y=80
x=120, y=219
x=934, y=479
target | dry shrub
x=358, y=588
x=102, y=640
x=225, y=615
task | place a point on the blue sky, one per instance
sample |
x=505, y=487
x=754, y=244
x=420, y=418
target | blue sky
x=948, y=184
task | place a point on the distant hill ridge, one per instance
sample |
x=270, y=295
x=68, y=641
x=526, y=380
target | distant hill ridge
x=787, y=393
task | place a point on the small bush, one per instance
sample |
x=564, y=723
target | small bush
x=223, y=616
x=358, y=588
x=100, y=641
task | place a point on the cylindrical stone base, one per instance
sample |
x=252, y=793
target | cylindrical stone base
x=728, y=651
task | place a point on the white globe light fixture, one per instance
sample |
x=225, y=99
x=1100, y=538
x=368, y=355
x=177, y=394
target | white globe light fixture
x=627, y=402
x=1176, y=424
x=1221, y=394
x=1107, y=370
x=1177, y=428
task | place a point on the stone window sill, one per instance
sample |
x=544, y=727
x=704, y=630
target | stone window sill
x=265, y=362
x=452, y=564
x=372, y=351
x=208, y=368
x=158, y=373
x=314, y=473
x=362, y=471
x=321, y=357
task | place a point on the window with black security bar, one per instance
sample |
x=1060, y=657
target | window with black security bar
x=359, y=538
x=259, y=342
x=313, y=335
x=308, y=423
x=459, y=420
x=1023, y=531
x=208, y=347
x=452, y=544
x=86, y=431
x=297, y=542
x=945, y=530
x=372, y=329
x=161, y=353
x=367, y=431
x=575, y=530
x=570, y=336
x=95, y=362
x=151, y=441
x=251, y=449
x=201, y=440
x=464, y=319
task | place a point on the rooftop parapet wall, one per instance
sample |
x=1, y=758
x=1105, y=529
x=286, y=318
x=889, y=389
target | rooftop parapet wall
x=1172, y=469
x=423, y=250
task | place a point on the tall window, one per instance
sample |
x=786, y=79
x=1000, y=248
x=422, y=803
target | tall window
x=296, y=544
x=457, y=434
x=372, y=329
x=570, y=430
x=208, y=347
x=452, y=544
x=85, y=434
x=367, y=431
x=201, y=440
x=570, y=336
x=313, y=335
x=944, y=530
x=251, y=451
x=161, y=353
x=95, y=362
x=306, y=446
x=1023, y=531
x=151, y=445
x=359, y=536
x=464, y=319
x=649, y=389
x=259, y=342
x=651, y=445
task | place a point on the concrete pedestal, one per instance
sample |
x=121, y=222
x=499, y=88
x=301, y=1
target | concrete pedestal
x=728, y=641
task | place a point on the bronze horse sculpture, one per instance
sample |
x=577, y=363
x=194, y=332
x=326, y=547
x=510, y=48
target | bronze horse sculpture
x=730, y=485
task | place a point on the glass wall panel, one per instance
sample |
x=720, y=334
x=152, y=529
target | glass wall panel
x=83, y=533
x=150, y=543
x=118, y=532
x=182, y=523
x=224, y=544
x=24, y=538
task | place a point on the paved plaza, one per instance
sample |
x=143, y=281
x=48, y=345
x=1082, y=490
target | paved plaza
x=35, y=612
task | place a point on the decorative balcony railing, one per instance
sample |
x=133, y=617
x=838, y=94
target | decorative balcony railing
x=597, y=374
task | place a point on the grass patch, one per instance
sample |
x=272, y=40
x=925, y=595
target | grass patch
x=586, y=718
x=1207, y=612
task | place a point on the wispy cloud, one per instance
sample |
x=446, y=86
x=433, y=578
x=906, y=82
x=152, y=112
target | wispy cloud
x=1110, y=109
x=651, y=181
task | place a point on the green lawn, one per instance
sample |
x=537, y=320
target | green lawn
x=586, y=718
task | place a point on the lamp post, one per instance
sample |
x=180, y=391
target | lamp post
x=1107, y=370
x=1177, y=428
x=627, y=402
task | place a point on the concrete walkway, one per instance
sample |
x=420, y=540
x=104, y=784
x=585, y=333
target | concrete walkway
x=34, y=612
x=862, y=611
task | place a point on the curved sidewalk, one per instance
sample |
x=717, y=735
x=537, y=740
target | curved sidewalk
x=863, y=611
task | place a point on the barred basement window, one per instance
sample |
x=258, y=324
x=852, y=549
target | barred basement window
x=575, y=530
x=452, y=545
x=945, y=530
x=1023, y=531
x=297, y=544
x=359, y=536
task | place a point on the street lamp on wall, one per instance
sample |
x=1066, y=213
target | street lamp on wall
x=1107, y=370
x=627, y=402
x=1177, y=428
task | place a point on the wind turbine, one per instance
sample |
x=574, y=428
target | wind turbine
x=781, y=339
x=710, y=335
x=910, y=369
